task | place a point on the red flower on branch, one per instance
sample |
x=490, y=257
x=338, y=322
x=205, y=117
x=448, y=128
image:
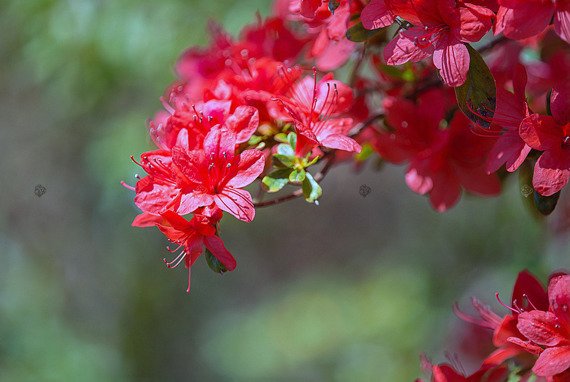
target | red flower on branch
x=192, y=236
x=509, y=149
x=216, y=175
x=520, y=19
x=317, y=109
x=550, y=329
x=443, y=159
x=441, y=28
x=551, y=134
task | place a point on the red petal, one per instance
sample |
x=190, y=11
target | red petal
x=540, y=327
x=155, y=198
x=190, y=165
x=250, y=166
x=528, y=293
x=552, y=361
x=341, y=142
x=237, y=202
x=562, y=25
x=376, y=15
x=446, y=373
x=403, y=47
x=220, y=143
x=189, y=202
x=216, y=246
x=560, y=102
x=452, y=59
x=551, y=172
x=243, y=122
x=529, y=18
x=540, y=132
x=502, y=354
x=147, y=220
x=559, y=296
x=525, y=345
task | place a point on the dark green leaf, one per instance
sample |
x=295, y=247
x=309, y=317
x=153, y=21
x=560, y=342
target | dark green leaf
x=546, y=204
x=357, y=33
x=283, y=160
x=477, y=96
x=214, y=263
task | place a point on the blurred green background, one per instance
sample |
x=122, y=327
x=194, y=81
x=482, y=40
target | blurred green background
x=352, y=290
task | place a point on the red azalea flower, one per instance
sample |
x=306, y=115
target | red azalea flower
x=330, y=48
x=216, y=175
x=187, y=123
x=192, y=236
x=551, y=134
x=441, y=28
x=159, y=190
x=257, y=86
x=519, y=19
x=509, y=149
x=442, y=160
x=448, y=373
x=528, y=293
x=550, y=329
x=317, y=108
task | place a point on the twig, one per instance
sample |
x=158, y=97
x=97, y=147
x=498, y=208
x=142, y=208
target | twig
x=361, y=126
x=492, y=44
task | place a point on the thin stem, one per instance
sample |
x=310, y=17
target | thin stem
x=356, y=68
x=492, y=44
x=363, y=125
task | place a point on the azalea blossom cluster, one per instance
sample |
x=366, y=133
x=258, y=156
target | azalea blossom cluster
x=531, y=340
x=462, y=92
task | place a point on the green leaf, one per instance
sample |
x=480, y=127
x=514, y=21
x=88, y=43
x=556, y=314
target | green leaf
x=546, y=204
x=357, y=33
x=281, y=138
x=214, y=263
x=477, y=96
x=283, y=160
x=285, y=149
x=307, y=163
x=292, y=139
x=311, y=189
x=365, y=153
x=297, y=176
x=276, y=180
x=254, y=140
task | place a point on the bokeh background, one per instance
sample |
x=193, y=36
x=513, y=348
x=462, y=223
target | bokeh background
x=352, y=290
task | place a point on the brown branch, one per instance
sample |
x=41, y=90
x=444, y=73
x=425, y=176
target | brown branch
x=356, y=68
x=363, y=125
x=492, y=44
